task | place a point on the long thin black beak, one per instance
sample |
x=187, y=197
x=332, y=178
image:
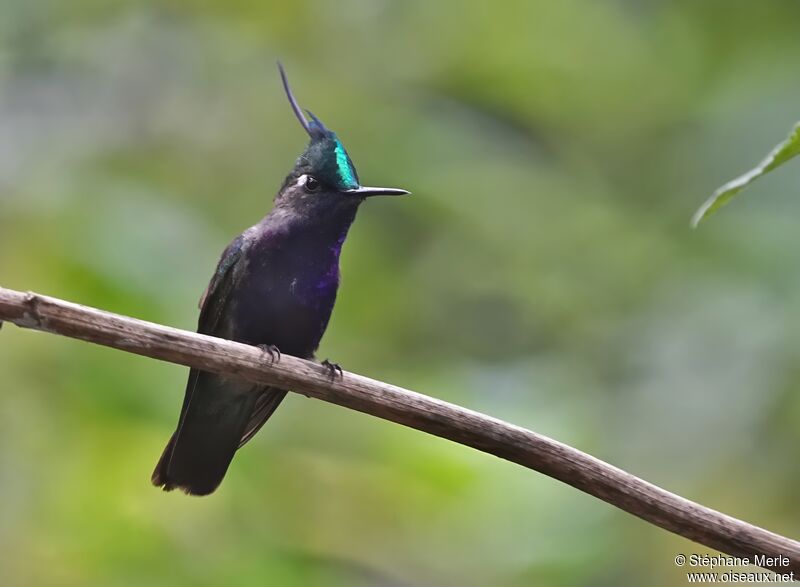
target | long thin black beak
x=366, y=192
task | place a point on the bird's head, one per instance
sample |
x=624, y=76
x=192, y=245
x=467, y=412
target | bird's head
x=324, y=177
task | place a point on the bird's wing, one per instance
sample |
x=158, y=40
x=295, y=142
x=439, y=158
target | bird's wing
x=213, y=302
x=215, y=297
x=212, y=305
x=215, y=410
x=266, y=403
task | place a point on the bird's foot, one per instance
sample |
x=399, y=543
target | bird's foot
x=334, y=369
x=272, y=351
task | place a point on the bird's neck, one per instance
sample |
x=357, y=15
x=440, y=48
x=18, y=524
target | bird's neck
x=320, y=235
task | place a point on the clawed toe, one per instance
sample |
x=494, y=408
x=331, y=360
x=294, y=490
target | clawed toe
x=272, y=351
x=334, y=369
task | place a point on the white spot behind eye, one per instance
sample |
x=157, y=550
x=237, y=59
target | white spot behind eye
x=301, y=181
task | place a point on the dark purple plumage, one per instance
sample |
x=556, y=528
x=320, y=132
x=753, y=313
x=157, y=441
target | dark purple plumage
x=275, y=284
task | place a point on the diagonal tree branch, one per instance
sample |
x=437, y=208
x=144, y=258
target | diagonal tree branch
x=524, y=447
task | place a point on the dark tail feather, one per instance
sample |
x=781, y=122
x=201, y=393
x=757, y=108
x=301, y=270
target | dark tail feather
x=212, y=423
x=159, y=477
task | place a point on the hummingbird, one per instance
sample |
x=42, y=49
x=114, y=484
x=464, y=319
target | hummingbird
x=274, y=287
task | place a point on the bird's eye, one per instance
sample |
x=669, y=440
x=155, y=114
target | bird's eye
x=311, y=183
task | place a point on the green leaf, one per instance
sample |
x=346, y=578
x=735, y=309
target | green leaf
x=777, y=157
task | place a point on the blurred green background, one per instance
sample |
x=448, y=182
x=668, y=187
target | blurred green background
x=543, y=272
